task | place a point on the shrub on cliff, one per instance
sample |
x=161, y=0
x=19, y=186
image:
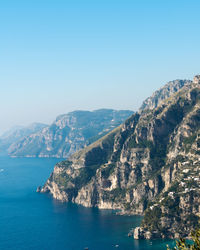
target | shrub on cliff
x=183, y=244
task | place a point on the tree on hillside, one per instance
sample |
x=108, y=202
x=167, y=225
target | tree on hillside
x=183, y=244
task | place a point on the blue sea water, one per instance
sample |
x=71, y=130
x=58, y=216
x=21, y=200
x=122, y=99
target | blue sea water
x=29, y=220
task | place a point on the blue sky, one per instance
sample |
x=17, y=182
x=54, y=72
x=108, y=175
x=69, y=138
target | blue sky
x=57, y=56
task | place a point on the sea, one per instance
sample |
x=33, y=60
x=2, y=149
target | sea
x=34, y=221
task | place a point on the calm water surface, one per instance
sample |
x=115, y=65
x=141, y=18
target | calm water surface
x=29, y=220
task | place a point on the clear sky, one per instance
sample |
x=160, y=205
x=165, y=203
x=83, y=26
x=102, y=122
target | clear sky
x=57, y=56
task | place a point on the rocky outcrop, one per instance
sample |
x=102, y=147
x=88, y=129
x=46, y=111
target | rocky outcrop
x=149, y=165
x=69, y=133
x=163, y=93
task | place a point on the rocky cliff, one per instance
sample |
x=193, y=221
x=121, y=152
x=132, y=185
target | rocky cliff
x=149, y=165
x=69, y=133
x=163, y=93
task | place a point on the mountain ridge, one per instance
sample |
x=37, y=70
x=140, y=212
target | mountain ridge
x=69, y=133
x=138, y=162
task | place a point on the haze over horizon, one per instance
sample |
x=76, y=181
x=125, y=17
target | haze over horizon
x=60, y=56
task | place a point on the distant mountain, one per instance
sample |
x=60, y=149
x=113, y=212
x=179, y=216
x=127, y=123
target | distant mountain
x=10, y=132
x=149, y=165
x=69, y=133
x=18, y=132
x=73, y=131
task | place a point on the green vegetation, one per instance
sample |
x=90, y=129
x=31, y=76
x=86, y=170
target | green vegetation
x=174, y=187
x=141, y=144
x=62, y=180
x=118, y=192
x=85, y=175
x=172, y=205
x=106, y=172
x=132, y=142
x=183, y=244
x=100, y=154
x=157, y=155
x=152, y=218
x=115, y=195
x=65, y=163
x=190, y=139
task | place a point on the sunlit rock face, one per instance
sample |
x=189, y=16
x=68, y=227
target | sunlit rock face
x=163, y=93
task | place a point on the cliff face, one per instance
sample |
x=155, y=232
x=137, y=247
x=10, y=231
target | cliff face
x=69, y=133
x=149, y=165
x=174, y=213
x=163, y=93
